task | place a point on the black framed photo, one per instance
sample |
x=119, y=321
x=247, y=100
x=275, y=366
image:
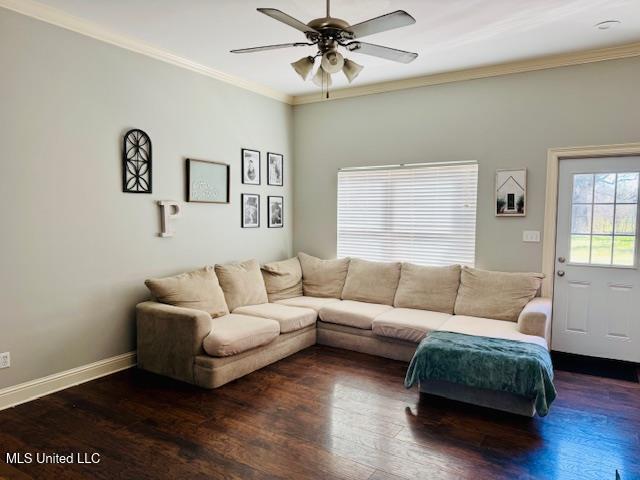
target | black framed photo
x=250, y=210
x=207, y=182
x=276, y=212
x=275, y=172
x=250, y=167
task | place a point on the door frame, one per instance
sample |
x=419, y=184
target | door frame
x=554, y=156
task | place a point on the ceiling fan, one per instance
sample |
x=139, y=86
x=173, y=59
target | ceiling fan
x=328, y=34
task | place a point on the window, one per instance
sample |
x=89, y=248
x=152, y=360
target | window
x=604, y=214
x=424, y=214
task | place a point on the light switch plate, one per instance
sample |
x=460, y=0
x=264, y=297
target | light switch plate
x=5, y=360
x=531, y=236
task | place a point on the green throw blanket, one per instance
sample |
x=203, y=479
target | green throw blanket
x=492, y=363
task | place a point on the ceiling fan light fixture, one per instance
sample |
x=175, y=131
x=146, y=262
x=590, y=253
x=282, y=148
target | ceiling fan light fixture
x=351, y=69
x=332, y=62
x=322, y=78
x=303, y=66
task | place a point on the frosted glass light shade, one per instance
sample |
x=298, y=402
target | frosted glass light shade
x=332, y=62
x=303, y=67
x=318, y=78
x=351, y=69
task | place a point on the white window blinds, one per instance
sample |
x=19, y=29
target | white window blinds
x=422, y=214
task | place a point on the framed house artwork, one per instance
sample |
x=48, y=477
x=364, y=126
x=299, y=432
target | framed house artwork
x=511, y=193
x=250, y=167
x=275, y=171
x=207, y=182
x=276, y=212
x=250, y=210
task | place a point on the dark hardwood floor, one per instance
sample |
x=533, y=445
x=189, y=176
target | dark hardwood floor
x=322, y=414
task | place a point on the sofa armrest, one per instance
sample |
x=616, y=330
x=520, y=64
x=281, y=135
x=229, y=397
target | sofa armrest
x=535, y=318
x=169, y=338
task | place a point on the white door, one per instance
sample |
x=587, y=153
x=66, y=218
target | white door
x=597, y=281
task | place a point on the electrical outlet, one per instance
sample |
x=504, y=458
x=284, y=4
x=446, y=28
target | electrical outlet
x=5, y=360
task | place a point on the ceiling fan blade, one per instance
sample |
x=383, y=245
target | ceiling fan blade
x=382, y=52
x=270, y=47
x=392, y=20
x=288, y=19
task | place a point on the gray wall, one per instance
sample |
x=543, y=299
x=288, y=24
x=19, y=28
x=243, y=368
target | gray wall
x=501, y=122
x=75, y=249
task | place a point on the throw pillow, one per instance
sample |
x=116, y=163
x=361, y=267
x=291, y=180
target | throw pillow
x=242, y=284
x=323, y=278
x=283, y=279
x=372, y=282
x=495, y=295
x=198, y=289
x=428, y=288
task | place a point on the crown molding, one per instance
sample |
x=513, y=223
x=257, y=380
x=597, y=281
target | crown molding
x=62, y=19
x=542, y=63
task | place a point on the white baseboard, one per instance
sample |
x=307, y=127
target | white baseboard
x=27, y=391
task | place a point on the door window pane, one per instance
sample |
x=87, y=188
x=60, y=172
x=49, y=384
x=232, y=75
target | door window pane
x=605, y=189
x=626, y=216
x=602, y=219
x=604, y=216
x=601, y=249
x=581, y=219
x=580, y=247
x=627, y=188
x=624, y=250
x=583, y=188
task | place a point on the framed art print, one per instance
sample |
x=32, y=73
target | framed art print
x=250, y=167
x=511, y=193
x=275, y=172
x=276, y=212
x=207, y=182
x=250, y=210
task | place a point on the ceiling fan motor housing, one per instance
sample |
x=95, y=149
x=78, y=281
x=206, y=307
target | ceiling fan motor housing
x=328, y=32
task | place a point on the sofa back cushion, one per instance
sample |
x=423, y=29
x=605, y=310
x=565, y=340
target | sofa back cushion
x=428, y=288
x=495, y=295
x=283, y=279
x=372, y=282
x=199, y=290
x=242, y=283
x=323, y=278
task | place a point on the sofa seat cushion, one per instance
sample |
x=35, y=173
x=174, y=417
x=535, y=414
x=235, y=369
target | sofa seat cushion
x=290, y=318
x=235, y=333
x=315, y=303
x=352, y=313
x=408, y=324
x=487, y=327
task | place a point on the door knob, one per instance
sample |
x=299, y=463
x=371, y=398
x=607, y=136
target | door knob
x=562, y=259
x=561, y=273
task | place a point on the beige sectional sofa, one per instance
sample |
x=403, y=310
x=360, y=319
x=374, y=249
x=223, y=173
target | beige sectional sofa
x=212, y=326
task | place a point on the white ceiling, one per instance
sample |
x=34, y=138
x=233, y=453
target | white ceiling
x=449, y=34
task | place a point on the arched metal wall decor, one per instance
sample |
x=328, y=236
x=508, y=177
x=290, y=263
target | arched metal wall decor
x=136, y=162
